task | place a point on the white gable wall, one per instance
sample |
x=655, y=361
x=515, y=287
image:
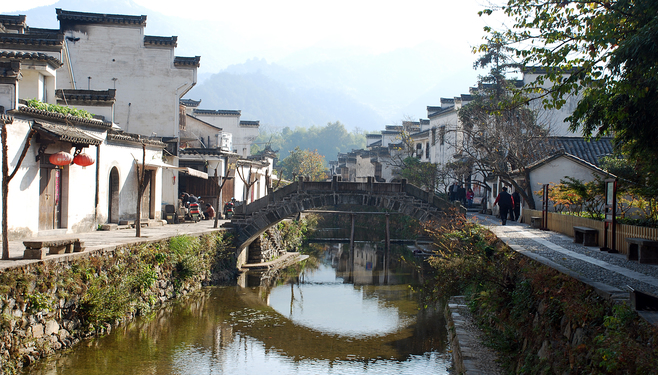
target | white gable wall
x=148, y=85
x=555, y=170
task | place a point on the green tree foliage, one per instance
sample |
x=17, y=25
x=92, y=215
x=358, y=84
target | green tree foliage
x=303, y=163
x=419, y=173
x=609, y=49
x=498, y=139
x=329, y=140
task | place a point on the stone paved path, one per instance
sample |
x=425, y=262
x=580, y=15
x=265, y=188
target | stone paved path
x=99, y=240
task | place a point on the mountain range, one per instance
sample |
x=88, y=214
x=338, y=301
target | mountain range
x=312, y=86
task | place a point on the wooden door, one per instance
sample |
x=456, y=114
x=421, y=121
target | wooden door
x=50, y=193
x=147, y=197
x=113, y=197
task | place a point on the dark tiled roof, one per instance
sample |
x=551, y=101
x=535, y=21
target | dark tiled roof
x=394, y=127
x=447, y=101
x=225, y=112
x=466, y=98
x=68, y=18
x=32, y=40
x=68, y=119
x=89, y=97
x=133, y=139
x=12, y=20
x=423, y=134
x=6, y=118
x=442, y=111
x=201, y=151
x=424, y=121
x=591, y=151
x=67, y=133
x=169, y=41
x=375, y=144
x=203, y=122
x=373, y=135
x=250, y=123
x=190, y=102
x=35, y=56
x=187, y=61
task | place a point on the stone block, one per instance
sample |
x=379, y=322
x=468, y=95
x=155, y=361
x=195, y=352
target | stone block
x=108, y=227
x=34, y=253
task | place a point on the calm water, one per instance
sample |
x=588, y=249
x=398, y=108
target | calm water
x=348, y=314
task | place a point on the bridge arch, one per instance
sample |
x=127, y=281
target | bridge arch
x=251, y=220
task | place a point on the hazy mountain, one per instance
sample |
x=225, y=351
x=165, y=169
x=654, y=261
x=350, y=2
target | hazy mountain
x=313, y=86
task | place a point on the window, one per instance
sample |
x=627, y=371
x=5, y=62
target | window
x=427, y=150
x=442, y=134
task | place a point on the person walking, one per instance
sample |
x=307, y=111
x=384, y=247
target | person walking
x=516, y=211
x=461, y=194
x=505, y=202
x=469, y=197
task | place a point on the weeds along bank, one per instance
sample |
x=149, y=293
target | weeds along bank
x=50, y=306
x=539, y=320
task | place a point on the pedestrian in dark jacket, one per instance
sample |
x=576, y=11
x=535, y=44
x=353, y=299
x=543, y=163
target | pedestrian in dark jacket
x=505, y=202
x=516, y=197
x=461, y=194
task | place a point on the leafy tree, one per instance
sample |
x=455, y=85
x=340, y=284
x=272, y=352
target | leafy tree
x=498, y=139
x=329, y=140
x=303, y=163
x=609, y=49
x=421, y=174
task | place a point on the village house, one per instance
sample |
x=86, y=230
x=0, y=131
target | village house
x=78, y=172
x=207, y=145
x=112, y=51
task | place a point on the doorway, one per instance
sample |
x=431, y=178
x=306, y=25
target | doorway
x=50, y=198
x=113, y=197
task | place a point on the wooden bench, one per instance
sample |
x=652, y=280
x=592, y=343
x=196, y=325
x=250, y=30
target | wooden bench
x=642, y=250
x=586, y=236
x=535, y=222
x=35, y=248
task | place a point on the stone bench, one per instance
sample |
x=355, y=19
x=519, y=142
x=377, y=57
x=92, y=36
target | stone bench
x=642, y=250
x=586, y=236
x=35, y=248
x=535, y=222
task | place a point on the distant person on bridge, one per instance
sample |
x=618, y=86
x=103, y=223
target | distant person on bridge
x=505, y=202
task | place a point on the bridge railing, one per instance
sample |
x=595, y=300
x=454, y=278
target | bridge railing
x=340, y=186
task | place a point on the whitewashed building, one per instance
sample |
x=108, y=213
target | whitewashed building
x=112, y=52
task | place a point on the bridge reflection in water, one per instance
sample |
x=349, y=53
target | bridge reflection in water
x=340, y=317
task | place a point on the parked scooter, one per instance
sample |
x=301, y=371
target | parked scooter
x=228, y=209
x=194, y=213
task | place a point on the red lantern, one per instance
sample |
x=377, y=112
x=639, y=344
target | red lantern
x=83, y=160
x=60, y=158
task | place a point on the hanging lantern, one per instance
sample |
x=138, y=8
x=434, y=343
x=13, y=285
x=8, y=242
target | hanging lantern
x=61, y=158
x=83, y=160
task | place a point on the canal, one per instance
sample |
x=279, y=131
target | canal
x=338, y=312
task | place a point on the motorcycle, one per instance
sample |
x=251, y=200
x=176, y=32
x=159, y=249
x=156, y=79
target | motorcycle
x=228, y=210
x=194, y=213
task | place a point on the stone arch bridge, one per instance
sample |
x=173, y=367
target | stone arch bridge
x=251, y=220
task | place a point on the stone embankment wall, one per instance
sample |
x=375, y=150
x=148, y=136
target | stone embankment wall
x=267, y=246
x=53, y=305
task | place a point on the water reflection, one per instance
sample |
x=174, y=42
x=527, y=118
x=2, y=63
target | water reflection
x=325, y=320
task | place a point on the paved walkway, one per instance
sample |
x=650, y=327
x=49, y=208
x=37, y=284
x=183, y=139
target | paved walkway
x=610, y=274
x=109, y=240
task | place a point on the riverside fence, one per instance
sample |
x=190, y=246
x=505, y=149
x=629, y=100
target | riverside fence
x=564, y=224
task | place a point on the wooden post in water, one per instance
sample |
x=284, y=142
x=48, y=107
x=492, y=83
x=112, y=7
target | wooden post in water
x=352, y=233
x=388, y=234
x=352, y=247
